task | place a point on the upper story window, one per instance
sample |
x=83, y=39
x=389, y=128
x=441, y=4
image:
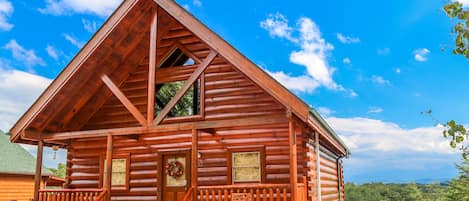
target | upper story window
x=119, y=172
x=189, y=104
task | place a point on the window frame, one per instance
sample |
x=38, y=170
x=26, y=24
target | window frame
x=124, y=187
x=250, y=149
x=198, y=117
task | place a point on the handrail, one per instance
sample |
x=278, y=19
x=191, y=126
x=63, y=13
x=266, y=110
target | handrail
x=188, y=194
x=242, y=186
x=72, y=194
x=72, y=190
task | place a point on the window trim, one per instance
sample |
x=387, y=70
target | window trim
x=247, y=149
x=127, y=172
x=198, y=117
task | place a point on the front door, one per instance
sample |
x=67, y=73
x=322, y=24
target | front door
x=176, y=176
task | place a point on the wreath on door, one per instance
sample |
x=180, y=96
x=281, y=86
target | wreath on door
x=174, y=169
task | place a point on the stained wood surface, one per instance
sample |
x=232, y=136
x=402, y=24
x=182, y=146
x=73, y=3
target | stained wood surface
x=17, y=187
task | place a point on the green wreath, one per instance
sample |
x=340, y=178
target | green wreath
x=174, y=169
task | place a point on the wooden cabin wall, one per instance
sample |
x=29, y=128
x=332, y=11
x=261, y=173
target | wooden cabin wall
x=329, y=178
x=86, y=157
x=17, y=187
x=311, y=167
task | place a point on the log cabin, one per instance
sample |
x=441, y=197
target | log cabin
x=17, y=172
x=156, y=106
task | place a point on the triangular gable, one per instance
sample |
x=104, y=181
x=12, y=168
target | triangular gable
x=215, y=42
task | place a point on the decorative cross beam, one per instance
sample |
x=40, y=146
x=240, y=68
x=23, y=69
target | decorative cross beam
x=187, y=84
x=124, y=100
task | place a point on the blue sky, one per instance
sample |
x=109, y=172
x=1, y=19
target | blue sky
x=369, y=67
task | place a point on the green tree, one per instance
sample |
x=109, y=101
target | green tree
x=459, y=187
x=456, y=11
x=60, y=171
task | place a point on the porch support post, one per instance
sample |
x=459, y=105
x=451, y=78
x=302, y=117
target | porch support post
x=318, y=165
x=38, y=176
x=108, y=166
x=293, y=158
x=194, y=160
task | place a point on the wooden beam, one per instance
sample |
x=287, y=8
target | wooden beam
x=152, y=69
x=124, y=100
x=72, y=68
x=194, y=160
x=293, y=159
x=248, y=121
x=38, y=176
x=108, y=167
x=233, y=56
x=187, y=84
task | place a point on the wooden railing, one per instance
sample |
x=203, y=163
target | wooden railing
x=72, y=195
x=250, y=192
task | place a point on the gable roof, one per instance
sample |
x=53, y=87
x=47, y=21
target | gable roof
x=214, y=41
x=16, y=160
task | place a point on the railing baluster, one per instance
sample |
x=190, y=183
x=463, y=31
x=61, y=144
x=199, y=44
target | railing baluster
x=264, y=194
x=278, y=194
x=271, y=194
x=225, y=194
x=257, y=195
x=284, y=194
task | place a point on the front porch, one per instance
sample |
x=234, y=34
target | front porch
x=237, y=192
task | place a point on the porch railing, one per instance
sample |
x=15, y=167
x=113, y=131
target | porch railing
x=249, y=192
x=72, y=194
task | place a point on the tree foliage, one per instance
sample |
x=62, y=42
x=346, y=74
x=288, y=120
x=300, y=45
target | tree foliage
x=459, y=186
x=456, y=11
x=458, y=136
x=394, y=192
x=60, y=171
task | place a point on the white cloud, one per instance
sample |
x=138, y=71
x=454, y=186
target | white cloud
x=301, y=83
x=52, y=52
x=314, y=50
x=347, y=39
x=25, y=56
x=101, y=8
x=277, y=26
x=74, y=41
x=380, y=80
x=370, y=135
x=324, y=111
x=464, y=2
x=18, y=90
x=197, y=3
x=374, y=109
x=384, y=51
x=347, y=60
x=398, y=70
x=421, y=54
x=6, y=9
x=89, y=25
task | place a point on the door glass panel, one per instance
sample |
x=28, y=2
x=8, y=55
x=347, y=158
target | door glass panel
x=180, y=181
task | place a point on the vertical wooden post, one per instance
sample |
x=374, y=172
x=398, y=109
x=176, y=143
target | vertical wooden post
x=108, y=168
x=318, y=165
x=38, y=176
x=194, y=161
x=152, y=70
x=293, y=157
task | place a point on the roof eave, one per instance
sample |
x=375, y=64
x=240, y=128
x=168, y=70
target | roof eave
x=330, y=131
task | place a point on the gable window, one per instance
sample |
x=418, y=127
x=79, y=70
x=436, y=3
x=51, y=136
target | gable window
x=189, y=105
x=119, y=172
x=246, y=165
